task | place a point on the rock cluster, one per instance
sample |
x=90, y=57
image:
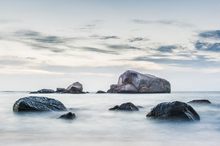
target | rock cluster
x=75, y=88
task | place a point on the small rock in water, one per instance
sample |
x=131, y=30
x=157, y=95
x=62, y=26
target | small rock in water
x=100, y=91
x=200, y=101
x=68, y=116
x=174, y=111
x=40, y=104
x=125, y=107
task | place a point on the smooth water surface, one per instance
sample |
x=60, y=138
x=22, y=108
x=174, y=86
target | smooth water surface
x=96, y=126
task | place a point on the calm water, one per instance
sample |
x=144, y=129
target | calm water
x=96, y=126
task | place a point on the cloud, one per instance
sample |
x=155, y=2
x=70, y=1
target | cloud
x=198, y=61
x=206, y=46
x=122, y=47
x=40, y=38
x=137, y=39
x=13, y=61
x=105, y=37
x=213, y=34
x=40, y=41
x=97, y=50
x=163, y=22
x=167, y=49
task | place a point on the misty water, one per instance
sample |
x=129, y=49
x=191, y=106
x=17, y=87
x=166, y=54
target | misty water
x=95, y=125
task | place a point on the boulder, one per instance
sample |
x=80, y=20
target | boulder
x=75, y=88
x=174, y=111
x=200, y=101
x=35, y=103
x=100, y=91
x=125, y=107
x=43, y=91
x=134, y=82
x=68, y=116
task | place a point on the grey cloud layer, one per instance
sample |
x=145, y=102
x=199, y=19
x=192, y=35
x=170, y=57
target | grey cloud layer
x=213, y=42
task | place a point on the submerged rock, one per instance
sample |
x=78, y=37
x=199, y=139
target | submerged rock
x=134, y=82
x=43, y=91
x=75, y=88
x=125, y=107
x=200, y=101
x=100, y=91
x=35, y=103
x=174, y=111
x=68, y=116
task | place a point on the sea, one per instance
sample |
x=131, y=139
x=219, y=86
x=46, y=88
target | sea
x=95, y=125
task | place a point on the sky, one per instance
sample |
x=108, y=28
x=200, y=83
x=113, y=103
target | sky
x=53, y=43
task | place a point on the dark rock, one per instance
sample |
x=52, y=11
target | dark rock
x=43, y=91
x=34, y=103
x=61, y=90
x=200, y=101
x=134, y=82
x=75, y=88
x=125, y=107
x=174, y=111
x=68, y=116
x=100, y=91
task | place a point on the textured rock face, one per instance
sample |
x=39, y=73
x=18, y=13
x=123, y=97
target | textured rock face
x=34, y=103
x=75, y=88
x=134, y=82
x=44, y=91
x=174, y=111
x=125, y=107
x=200, y=101
x=68, y=116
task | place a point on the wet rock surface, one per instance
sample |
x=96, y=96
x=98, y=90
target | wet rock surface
x=174, y=111
x=38, y=104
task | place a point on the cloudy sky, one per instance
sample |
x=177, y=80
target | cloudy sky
x=52, y=43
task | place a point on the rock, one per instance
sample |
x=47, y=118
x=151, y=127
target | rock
x=61, y=90
x=35, y=103
x=100, y=91
x=75, y=88
x=125, y=107
x=134, y=82
x=68, y=116
x=43, y=91
x=174, y=111
x=200, y=101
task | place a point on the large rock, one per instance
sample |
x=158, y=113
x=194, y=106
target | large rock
x=34, y=103
x=75, y=88
x=134, y=82
x=174, y=111
x=43, y=91
x=125, y=107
